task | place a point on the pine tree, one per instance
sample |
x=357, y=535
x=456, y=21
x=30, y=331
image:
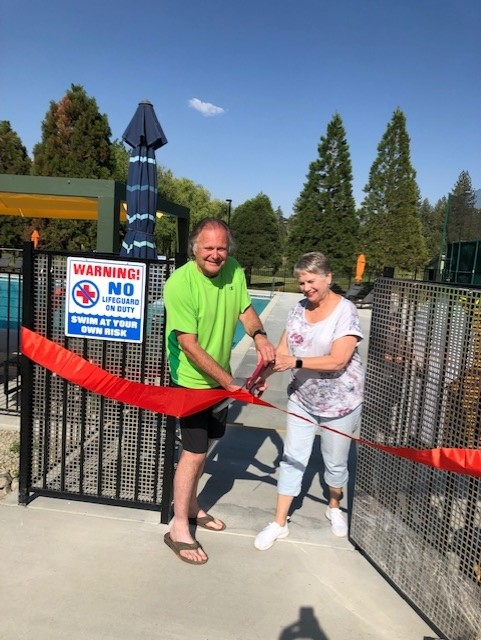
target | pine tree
x=14, y=160
x=304, y=224
x=325, y=215
x=463, y=223
x=75, y=144
x=256, y=232
x=75, y=139
x=391, y=229
x=282, y=224
x=432, y=224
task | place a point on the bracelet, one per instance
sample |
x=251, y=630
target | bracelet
x=259, y=332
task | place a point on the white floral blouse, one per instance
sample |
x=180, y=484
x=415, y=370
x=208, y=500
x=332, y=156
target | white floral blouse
x=325, y=394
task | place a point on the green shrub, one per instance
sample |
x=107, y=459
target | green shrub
x=15, y=447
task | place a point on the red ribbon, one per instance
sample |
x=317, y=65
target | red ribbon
x=178, y=402
x=167, y=400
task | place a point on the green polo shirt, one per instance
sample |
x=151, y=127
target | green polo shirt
x=209, y=308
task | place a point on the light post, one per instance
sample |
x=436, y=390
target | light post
x=229, y=205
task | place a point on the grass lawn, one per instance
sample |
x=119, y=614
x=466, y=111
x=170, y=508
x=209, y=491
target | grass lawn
x=282, y=282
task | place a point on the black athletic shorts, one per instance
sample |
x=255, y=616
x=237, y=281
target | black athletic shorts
x=199, y=428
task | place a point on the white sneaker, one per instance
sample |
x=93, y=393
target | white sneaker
x=338, y=522
x=266, y=538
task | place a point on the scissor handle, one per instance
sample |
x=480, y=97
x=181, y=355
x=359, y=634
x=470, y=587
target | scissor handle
x=259, y=370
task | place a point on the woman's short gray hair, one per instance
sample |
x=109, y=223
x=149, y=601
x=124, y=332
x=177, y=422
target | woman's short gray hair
x=312, y=262
x=209, y=222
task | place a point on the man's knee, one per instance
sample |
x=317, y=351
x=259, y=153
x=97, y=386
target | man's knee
x=192, y=459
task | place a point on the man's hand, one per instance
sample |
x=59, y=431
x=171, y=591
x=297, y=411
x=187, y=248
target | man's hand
x=236, y=384
x=252, y=325
x=265, y=349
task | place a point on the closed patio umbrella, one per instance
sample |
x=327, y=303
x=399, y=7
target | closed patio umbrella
x=360, y=266
x=145, y=135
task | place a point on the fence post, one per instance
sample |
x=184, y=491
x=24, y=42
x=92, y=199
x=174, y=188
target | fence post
x=26, y=365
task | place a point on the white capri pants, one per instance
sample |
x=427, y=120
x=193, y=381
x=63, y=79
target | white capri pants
x=298, y=447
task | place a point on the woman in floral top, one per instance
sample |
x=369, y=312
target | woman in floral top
x=319, y=346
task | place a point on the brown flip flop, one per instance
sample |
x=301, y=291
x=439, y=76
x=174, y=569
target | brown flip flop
x=177, y=547
x=204, y=521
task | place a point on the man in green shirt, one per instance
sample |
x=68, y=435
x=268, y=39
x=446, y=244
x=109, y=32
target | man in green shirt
x=204, y=299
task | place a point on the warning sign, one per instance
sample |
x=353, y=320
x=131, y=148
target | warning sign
x=105, y=299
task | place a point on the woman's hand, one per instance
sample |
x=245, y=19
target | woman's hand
x=284, y=362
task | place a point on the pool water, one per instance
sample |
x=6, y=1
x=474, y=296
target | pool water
x=259, y=305
x=10, y=300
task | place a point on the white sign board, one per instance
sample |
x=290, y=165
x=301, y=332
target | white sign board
x=105, y=299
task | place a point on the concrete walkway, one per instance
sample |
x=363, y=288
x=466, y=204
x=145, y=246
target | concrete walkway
x=86, y=572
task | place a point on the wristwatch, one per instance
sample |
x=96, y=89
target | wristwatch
x=298, y=363
x=259, y=332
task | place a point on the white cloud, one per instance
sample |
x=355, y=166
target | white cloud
x=207, y=109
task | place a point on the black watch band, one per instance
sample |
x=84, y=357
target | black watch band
x=259, y=332
x=298, y=363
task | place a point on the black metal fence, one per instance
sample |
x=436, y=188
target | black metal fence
x=419, y=525
x=10, y=321
x=75, y=443
x=463, y=263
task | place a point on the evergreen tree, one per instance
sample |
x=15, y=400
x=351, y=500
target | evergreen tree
x=463, y=223
x=255, y=228
x=325, y=214
x=432, y=219
x=75, y=144
x=282, y=224
x=304, y=224
x=14, y=160
x=14, y=231
x=75, y=139
x=392, y=233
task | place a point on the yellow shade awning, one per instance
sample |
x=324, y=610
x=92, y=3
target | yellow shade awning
x=32, y=205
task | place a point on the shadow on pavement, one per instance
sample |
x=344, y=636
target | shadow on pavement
x=240, y=449
x=232, y=457
x=306, y=627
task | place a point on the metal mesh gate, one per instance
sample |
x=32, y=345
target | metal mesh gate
x=421, y=526
x=76, y=443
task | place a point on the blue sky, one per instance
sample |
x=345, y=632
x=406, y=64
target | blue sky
x=244, y=90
